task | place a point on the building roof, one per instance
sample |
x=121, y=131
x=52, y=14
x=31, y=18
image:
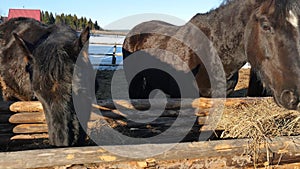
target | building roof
x=29, y=13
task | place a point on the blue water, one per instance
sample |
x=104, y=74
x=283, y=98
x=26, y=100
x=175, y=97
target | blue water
x=97, y=60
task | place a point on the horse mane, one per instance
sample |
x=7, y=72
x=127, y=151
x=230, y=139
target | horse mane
x=225, y=2
x=287, y=5
x=282, y=6
x=56, y=63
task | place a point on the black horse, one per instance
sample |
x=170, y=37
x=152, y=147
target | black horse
x=225, y=27
x=38, y=62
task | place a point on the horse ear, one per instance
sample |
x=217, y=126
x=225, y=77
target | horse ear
x=23, y=46
x=82, y=42
x=84, y=37
x=268, y=7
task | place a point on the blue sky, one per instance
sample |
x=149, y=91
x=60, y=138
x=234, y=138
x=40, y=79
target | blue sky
x=108, y=11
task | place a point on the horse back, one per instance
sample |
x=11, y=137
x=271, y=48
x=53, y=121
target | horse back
x=151, y=34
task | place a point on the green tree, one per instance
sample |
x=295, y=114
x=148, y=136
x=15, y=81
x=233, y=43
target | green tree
x=51, y=18
x=72, y=20
x=63, y=18
x=75, y=22
x=42, y=16
x=96, y=26
x=91, y=24
x=58, y=20
x=69, y=21
x=83, y=22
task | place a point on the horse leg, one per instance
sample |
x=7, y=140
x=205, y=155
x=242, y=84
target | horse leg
x=138, y=87
x=231, y=83
x=256, y=87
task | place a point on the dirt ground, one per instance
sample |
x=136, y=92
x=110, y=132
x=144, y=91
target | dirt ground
x=243, y=79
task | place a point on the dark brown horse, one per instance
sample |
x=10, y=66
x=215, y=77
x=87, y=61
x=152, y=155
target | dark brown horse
x=225, y=27
x=15, y=84
x=273, y=49
x=38, y=61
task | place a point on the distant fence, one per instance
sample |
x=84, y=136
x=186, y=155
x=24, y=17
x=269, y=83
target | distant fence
x=114, y=45
x=114, y=54
x=117, y=33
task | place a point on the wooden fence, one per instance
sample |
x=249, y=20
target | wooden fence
x=213, y=154
x=114, y=54
x=26, y=121
x=96, y=32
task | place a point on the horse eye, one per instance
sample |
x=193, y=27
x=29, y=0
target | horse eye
x=266, y=27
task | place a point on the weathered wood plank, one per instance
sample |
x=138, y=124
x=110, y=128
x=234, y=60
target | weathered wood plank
x=202, y=103
x=36, y=118
x=109, y=33
x=108, y=108
x=9, y=137
x=222, y=153
x=39, y=117
x=185, y=163
x=29, y=136
x=23, y=118
x=121, y=114
x=29, y=106
x=158, y=124
x=30, y=128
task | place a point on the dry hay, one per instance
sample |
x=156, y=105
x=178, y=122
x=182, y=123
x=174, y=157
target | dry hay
x=261, y=118
x=260, y=121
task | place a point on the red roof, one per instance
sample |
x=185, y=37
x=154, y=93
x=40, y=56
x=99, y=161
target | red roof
x=29, y=13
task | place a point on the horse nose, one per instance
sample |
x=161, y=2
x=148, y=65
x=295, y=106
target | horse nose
x=290, y=100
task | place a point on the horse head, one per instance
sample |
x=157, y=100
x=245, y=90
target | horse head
x=14, y=81
x=272, y=43
x=51, y=65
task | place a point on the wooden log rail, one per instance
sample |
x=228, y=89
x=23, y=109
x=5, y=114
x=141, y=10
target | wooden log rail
x=113, y=54
x=283, y=151
x=201, y=103
x=108, y=33
x=26, y=120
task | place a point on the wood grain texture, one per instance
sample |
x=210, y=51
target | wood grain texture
x=225, y=153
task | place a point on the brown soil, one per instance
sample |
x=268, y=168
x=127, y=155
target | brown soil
x=243, y=79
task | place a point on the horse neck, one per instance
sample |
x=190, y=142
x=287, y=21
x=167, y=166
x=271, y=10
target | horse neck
x=225, y=27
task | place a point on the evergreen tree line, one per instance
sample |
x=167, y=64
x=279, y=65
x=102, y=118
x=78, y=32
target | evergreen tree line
x=72, y=20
